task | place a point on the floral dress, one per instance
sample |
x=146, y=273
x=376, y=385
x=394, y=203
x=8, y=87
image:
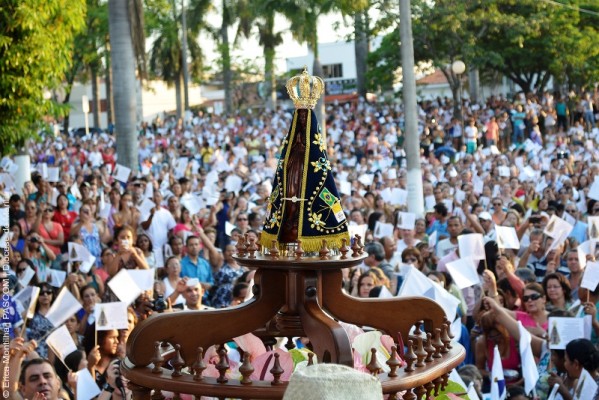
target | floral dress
x=224, y=280
x=91, y=241
x=37, y=329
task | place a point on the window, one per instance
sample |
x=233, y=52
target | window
x=332, y=71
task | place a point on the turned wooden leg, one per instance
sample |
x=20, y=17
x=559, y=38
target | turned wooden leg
x=364, y=312
x=326, y=334
x=193, y=329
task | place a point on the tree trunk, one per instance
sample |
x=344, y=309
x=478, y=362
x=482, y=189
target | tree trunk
x=319, y=110
x=108, y=84
x=178, y=95
x=226, y=55
x=96, y=109
x=412, y=147
x=269, y=66
x=67, y=117
x=361, y=51
x=123, y=64
x=269, y=78
x=474, y=79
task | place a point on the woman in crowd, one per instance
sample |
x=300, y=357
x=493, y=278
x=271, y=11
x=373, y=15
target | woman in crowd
x=49, y=230
x=420, y=230
x=63, y=216
x=40, y=254
x=366, y=282
x=495, y=334
x=145, y=245
x=89, y=298
x=127, y=256
x=89, y=233
x=127, y=215
x=173, y=287
x=30, y=217
x=558, y=291
x=413, y=257
x=225, y=278
x=580, y=354
x=188, y=225
x=40, y=326
x=108, y=342
x=17, y=242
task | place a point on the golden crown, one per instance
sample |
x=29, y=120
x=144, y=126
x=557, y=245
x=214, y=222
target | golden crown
x=305, y=90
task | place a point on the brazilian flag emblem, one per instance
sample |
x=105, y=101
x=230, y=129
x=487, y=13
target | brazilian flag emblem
x=328, y=197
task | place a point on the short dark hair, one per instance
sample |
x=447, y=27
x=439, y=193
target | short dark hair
x=376, y=249
x=29, y=363
x=190, y=238
x=441, y=209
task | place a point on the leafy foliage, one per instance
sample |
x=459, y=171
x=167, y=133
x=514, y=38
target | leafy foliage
x=36, y=45
x=525, y=40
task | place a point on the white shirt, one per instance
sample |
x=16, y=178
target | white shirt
x=162, y=222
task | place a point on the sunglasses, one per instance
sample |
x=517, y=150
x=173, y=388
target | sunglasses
x=242, y=219
x=49, y=210
x=532, y=297
x=46, y=292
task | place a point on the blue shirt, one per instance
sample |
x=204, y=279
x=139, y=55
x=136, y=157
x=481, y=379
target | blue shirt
x=200, y=270
x=440, y=227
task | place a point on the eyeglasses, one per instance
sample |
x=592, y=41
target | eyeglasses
x=532, y=297
x=46, y=292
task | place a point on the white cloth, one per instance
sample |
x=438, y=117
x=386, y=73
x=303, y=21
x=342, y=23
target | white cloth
x=169, y=290
x=162, y=222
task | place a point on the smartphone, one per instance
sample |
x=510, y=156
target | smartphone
x=125, y=244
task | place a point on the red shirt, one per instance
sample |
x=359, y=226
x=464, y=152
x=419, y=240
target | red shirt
x=65, y=221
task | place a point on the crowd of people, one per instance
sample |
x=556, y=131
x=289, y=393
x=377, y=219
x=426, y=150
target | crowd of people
x=204, y=183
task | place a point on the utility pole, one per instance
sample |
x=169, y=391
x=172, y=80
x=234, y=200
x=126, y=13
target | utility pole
x=412, y=142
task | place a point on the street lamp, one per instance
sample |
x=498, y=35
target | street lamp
x=458, y=67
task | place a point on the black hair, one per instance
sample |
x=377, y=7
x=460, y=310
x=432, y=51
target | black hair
x=372, y=219
x=376, y=249
x=583, y=351
x=441, y=209
x=27, y=364
x=236, y=292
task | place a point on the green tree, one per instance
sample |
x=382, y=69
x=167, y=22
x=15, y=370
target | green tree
x=304, y=27
x=36, y=47
x=262, y=15
x=166, y=54
x=89, y=49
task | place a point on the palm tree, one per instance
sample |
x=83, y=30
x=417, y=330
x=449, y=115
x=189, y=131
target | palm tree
x=126, y=47
x=304, y=28
x=166, y=54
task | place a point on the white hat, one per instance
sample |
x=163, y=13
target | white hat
x=332, y=382
x=485, y=215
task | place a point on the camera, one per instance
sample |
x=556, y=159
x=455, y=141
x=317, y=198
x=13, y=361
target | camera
x=159, y=304
x=562, y=155
x=33, y=240
x=535, y=219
